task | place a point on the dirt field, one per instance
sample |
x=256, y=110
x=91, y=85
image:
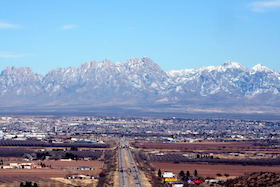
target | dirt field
x=60, y=169
x=36, y=173
x=207, y=170
x=74, y=164
x=214, y=147
x=12, y=177
x=9, y=176
x=81, y=183
x=40, y=184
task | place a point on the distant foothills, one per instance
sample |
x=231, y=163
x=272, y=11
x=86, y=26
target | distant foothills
x=140, y=85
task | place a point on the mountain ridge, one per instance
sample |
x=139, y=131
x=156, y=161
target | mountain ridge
x=141, y=82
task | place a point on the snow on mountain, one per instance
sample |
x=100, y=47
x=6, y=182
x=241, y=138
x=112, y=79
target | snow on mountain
x=232, y=65
x=230, y=78
x=19, y=81
x=260, y=68
x=139, y=80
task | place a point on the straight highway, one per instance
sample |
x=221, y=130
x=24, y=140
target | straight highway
x=129, y=173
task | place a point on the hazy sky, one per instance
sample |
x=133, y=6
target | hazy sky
x=176, y=34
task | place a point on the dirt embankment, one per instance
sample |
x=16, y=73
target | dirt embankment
x=107, y=175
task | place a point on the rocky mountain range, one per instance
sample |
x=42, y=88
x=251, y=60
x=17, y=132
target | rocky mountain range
x=141, y=83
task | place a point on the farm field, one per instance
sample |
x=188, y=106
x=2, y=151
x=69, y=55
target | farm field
x=13, y=177
x=214, y=147
x=209, y=170
x=46, y=176
x=36, y=173
x=56, y=164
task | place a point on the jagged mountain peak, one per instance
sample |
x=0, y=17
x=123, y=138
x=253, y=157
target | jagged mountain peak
x=106, y=62
x=261, y=68
x=139, y=80
x=95, y=64
x=141, y=62
x=232, y=65
x=19, y=74
x=137, y=63
x=143, y=66
x=14, y=69
x=221, y=68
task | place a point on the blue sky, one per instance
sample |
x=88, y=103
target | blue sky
x=176, y=34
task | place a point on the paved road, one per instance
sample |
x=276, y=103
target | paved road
x=129, y=173
x=122, y=168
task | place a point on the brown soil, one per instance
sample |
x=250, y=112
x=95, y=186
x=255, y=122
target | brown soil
x=60, y=169
x=208, y=170
x=74, y=164
x=214, y=147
